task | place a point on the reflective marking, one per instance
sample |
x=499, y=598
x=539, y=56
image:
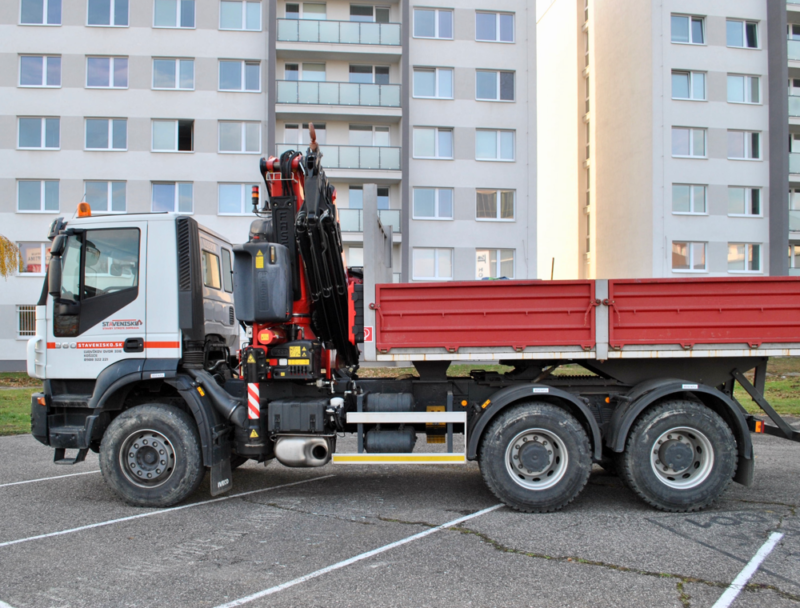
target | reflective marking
x=159, y=512
x=726, y=599
x=19, y=483
x=253, y=401
x=353, y=560
x=417, y=458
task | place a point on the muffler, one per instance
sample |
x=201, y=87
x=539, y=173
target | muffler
x=303, y=451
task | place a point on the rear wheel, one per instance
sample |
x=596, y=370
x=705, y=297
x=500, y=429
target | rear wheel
x=150, y=455
x=535, y=457
x=680, y=456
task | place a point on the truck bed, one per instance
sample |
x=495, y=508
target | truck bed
x=594, y=319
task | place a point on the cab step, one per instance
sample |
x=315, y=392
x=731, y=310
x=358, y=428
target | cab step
x=60, y=456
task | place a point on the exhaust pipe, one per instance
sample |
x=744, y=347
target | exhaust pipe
x=231, y=408
x=294, y=451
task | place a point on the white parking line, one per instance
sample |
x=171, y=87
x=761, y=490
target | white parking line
x=159, y=512
x=352, y=560
x=4, y=605
x=726, y=599
x=19, y=483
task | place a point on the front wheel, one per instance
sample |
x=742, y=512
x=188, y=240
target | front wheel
x=535, y=457
x=679, y=457
x=150, y=455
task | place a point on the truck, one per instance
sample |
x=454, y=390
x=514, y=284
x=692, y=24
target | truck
x=173, y=353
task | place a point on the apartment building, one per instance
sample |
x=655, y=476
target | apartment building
x=167, y=105
x=667, y=157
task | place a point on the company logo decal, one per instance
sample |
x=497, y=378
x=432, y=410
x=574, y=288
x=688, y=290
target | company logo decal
x=121, y=324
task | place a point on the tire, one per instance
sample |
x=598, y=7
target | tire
x=553, y=480
x=156, y=440
x=679, y=457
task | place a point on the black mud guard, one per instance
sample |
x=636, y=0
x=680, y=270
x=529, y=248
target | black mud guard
x=646, y=393
x=512, y=394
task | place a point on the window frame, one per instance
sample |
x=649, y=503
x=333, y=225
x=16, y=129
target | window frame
x=176, y=61
x=497, y=200
x=244, y=16
x=436, y=251
x=692, y=205
x=498, y=133
x=42, y=196
x=110, y=122
x=436, y=131
x=691, y=143
x=499, y=262
x=691, y=74
x=44, y=249
x=748, y=145
x=112, y=59
x=242, y=138
x=497, y=27
x=436, y=71
x=436, y=217
x=44, y=84
x=111, y=16
x=745, y=89
x=176, y=198
x=498, y=83
x=242, y=73
x=748, y=202
x=748, y=249
x=177, y=122
x=690, y=250
x=43, y=133
x=244, y=189
x=744, y=23
x=177, y=18
x=45, y=10
x=702, y=19
x=437, y=12
x=31, y=310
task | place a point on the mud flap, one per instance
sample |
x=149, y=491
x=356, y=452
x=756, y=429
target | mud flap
x=221, y=476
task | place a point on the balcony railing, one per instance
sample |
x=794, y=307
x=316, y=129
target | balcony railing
x=338, y=32
x=794, y=49
x=353, y=157
x=794, y=163
x=339, y=93
x=352, y=220
x=794, y=220
x=794, y=103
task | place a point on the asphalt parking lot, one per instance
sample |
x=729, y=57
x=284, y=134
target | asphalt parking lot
x=357, y=535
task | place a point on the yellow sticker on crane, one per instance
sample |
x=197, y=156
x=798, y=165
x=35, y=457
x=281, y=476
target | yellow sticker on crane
x=260, y=260
x=251, y=358
x=253, y=434
x=295, y=351
x=299, y=361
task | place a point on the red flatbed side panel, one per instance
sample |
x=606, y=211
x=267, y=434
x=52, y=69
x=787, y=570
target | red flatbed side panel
x=485, y=313
x=750, y=310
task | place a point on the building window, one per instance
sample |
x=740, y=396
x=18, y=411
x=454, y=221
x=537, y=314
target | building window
x=794, y=259
x=292, y=134
x=435, y=83
x=31, y=256
x=356, y=197
x=39, y=133
x=311, y=10
x=742, y=34
x=744, y=145
x=369, y=74
x=240, y=15
x=39, y=71
x=744, y=201
x=432, y=264
x=173, y=197
x=494, y=145
x=494, y=27
x=108, y=12
x=107, y=72
x=173, y=74
x=688, y=142
x=109, y=197
x=689, y=85
x=173, y=135
x=433, y=23
x=494, y=205
x=433, y=142
x=494, y=263
x=241, y=137
x=173, y=13
x=310, y=72
x=689, y=199
x=744, y=257
x=240, y=76
x=743, y=89
x=37, y=196
x=234, y=199
x=688, y=257
x=40, y=12
x=687, y=30
x=26, y=320
x=494, y=86
x=106, y=134
x=433, y=204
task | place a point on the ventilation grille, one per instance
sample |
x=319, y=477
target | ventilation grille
x=230, y=315
x=184, y=255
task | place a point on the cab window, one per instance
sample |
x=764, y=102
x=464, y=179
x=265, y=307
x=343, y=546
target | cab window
x=111, y=261
x=227, y=271
x=211, y=275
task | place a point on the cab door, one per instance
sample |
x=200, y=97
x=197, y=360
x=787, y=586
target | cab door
x=99, y=317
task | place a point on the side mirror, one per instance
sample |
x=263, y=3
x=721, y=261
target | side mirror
x=54, y=277
x=59, y=244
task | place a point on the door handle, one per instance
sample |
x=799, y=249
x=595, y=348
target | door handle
x=134, y=345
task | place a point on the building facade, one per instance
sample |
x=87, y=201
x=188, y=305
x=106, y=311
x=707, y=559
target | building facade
x=675, y=162
x=167, y=105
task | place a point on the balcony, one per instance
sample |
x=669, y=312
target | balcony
x=794, y=103
x=794, y=162
x=338, y=32
x=794, y=50
x=340, y=93
x=794, y=220
x=384, y=158
x=352, y=220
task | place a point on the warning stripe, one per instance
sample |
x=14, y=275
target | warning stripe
x=253, y=403
x=113, y=345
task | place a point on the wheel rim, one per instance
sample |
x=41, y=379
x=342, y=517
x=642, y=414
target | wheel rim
x=147, y=458
x=682, y=458
x=536, y=459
